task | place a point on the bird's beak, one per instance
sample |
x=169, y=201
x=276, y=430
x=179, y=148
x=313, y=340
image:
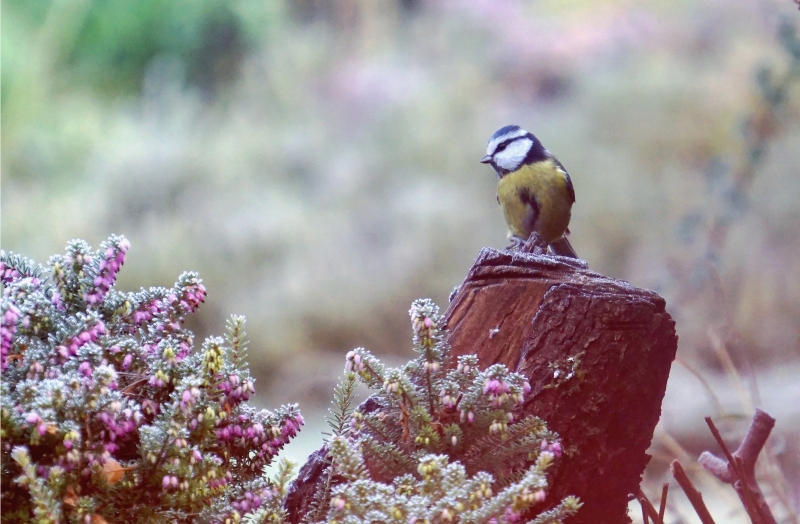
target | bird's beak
x=487, y=159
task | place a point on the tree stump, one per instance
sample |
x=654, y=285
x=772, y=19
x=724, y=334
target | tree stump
x=597, y=353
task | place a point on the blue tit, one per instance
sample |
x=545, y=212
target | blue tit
x=534, y=190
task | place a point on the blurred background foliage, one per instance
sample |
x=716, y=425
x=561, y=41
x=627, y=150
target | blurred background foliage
x=317, y=162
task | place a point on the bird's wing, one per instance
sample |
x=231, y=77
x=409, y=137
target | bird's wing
x=529, y=199
x=570, y=189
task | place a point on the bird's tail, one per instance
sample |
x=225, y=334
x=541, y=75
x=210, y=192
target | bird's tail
x=562, y=247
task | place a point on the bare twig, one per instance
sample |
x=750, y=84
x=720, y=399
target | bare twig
x=748, y=499
x=739, y=468
x=694, y=496
x=662, y=509
x=647, y=509
x=721, y=443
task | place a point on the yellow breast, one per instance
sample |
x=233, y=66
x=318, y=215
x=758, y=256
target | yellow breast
x=536, y=198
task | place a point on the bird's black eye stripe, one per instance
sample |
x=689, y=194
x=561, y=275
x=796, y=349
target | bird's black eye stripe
x=502, y=145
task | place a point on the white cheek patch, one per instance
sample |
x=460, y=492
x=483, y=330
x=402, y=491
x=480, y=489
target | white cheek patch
x=491, y=146
x=512, y=156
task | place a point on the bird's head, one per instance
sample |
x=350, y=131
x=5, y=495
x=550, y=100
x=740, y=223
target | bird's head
x=509, y=148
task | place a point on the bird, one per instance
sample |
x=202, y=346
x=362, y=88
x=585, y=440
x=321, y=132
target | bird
x=534, y=190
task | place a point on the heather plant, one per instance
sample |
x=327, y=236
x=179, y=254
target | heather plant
x=110, y=413
x=438, y=441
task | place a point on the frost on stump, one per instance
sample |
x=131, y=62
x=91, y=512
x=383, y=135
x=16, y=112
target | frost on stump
x=597, y=354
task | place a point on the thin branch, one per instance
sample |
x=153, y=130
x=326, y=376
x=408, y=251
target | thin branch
x=647, y=508
x=739, y=469
x=662, y=510
x=721, y=443
x=748, y=498
x=694, y=496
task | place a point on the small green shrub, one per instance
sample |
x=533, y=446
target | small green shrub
x=438, y=441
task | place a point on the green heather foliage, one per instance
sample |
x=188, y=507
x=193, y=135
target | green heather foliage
x=438, y=441
x=108, y=410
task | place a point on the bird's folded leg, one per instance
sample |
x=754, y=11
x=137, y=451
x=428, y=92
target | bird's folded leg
x=534, y=245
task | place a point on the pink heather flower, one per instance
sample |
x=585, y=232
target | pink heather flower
x=490, y=385
x=85, y=368
x=126, y=362
x=11, y=316
x=556, y=449
x=150, y=407
x=539, y=496
x=57, y=301
x=7, y=331
x=107, y=274
x=165, y=482
x=35, y=369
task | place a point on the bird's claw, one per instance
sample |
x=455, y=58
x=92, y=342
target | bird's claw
x=516, y=244
x=534, y=245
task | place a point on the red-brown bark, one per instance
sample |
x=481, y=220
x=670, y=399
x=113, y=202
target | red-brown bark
x=597, y=352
